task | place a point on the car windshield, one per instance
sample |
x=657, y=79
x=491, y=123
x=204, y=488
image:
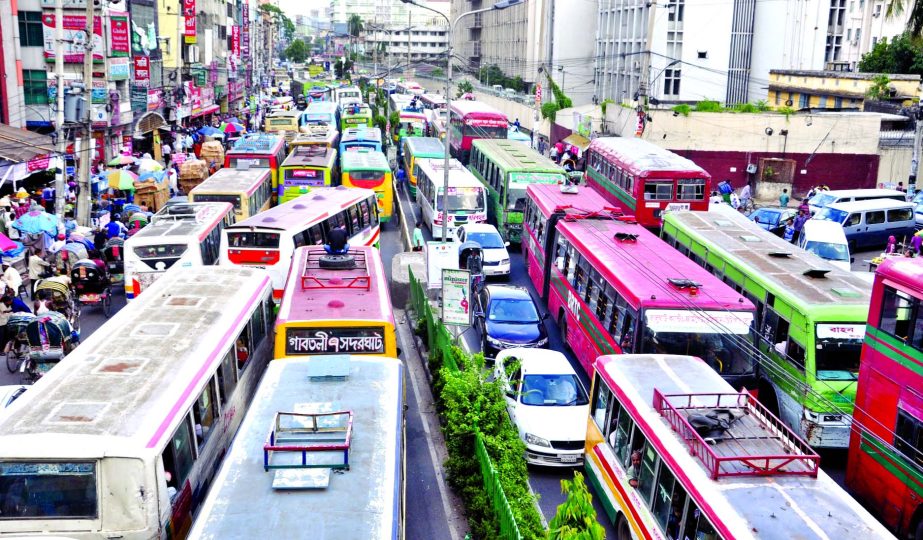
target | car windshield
x=832, y=214
x=821, y=199
x=487, y=240
x=512, y=311
x=552, y=390
x=918, y=198
x=828, y=250
x=766, y=217
x=163, y=251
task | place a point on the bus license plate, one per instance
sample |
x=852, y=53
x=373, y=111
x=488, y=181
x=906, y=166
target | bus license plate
x=677, y=207
x=569, y=458
x=89, y=298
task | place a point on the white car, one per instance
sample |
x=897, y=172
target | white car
x=547, y=403
x=496, y=257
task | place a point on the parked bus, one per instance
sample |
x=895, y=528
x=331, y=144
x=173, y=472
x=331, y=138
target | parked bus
x=186, y=237
x=885, y=465
x=363, y=438
x=810, y=318
x=644, y=179
x=345, y=94
x=258, y=150
x=249, y=190
x=467, y=195
x=507, y=168
x=359, y=138
x=269, y=239
x=617, y=288
x=124, y=437
x=415, y=148
x=545, y=206
x=397, y=102
x=472, y=120
x=335, y=310
x=355, y=115
x=325, y=113
x=660, y=472
x=370, y=170
x=283, y=123
x=305, y=168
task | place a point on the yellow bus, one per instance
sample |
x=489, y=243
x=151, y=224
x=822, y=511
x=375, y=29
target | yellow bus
x=338, y=310
x=283, y=122
x=249, y=190
x=369, y=169
x=416, y=148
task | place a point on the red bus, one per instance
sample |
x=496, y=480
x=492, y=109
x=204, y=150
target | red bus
x=617, y=288
x=470, y=120
x=258, y=150
x=645, y=179
x=546, y=205
x=885, y=466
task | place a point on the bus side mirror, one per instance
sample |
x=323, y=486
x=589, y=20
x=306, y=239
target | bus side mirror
x=544, y=316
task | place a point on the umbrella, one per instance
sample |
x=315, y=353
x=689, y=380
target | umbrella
x=233, y=120
x=146, y=165
x=156, y=176
x=37, y=221
x=231, y=127
x=121, y=160
x=209, y=131
x=120, y=179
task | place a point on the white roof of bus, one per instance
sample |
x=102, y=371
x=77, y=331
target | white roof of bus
x=362, y=502
x=751, y=506
x=321, y=107
x=459, y=175
x=364, y=159
x=298, y=213
x=162, y=228
x=122, y=388
x=232, y=180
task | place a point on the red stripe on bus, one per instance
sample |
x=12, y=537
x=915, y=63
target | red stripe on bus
x=621, y=489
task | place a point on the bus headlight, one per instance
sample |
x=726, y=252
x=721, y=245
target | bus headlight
x=537, y=441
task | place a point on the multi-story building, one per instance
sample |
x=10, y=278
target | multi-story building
x=867, y=24
x=399, y=44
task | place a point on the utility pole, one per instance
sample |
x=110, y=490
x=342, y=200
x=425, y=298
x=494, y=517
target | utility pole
x=917, y=140
x=644, y=79
x=409, y=20
x=83, y=176
x=59, y=183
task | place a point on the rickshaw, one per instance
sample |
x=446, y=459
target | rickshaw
x=68, y=255
x=17, y=346
x=114, y=255
x=61, y=299
x=51, y=337
x=465, y=251
x=91, y=284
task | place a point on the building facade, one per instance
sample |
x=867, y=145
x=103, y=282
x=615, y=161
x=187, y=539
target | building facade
x=867, y=23
x=801, y=89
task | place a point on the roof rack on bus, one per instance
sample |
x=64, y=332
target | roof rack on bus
x=735, y=435
x=572, y=213
x=253, y=142
x=306, y=441
x=318, y=275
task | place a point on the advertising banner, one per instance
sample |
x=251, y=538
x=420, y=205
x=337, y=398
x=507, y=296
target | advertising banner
x=456, y=297
x=189, y=18
x=119, y=69
x=235, y=40
x=154, y=99
x=119, y=34
x=142, y=70
x=74, y=38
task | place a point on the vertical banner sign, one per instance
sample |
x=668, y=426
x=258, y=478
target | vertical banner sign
x=235, y=40
x=119, y=41
x=142, y=70
x=245, y=32
x=456, y=297
x=189, y=34
x=538, y=96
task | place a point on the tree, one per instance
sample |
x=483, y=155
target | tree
x=879, y=89
x=438, y=73
x=491, y=75
x=297, y=52
x=900, y=55
x=288, y=27
x=914, y=22
x=576, y=517
x=354, y=28
x=464, y=87
x=342, y=67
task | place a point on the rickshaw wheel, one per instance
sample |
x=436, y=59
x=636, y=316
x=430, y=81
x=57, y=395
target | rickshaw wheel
x=13, y=360
x=107, y=303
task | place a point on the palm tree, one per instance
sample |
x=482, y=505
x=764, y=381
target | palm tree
x=914, y=21
x=355, y=26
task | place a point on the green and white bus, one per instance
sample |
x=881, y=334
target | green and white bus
x=810, y=318
x=507, y=168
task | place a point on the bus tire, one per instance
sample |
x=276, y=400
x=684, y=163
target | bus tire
x=622, y=529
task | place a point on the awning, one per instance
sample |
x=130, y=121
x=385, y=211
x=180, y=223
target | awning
x=150, y=121
x=207, y=110
x=18, y=145
x=575, y=139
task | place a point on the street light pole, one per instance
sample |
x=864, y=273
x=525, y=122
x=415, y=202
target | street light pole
x=448, y=100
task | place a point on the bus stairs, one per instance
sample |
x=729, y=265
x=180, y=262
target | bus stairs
x=304, y=448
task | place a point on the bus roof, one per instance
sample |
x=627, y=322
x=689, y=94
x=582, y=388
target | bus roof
x=645, y=264
x=765, y=257
x=299, y=213
x=165, y=227
x=362, y=502
x=230, y=180
x=257, y=143
x=132, y=378
x=197, y=211
x=516, y=156
x=459, y=175
x=435, y=99
x=364, y=159
x=425, y=146
x=747, y=506
x=640, y=156
x=313, y=293
x=902, y=269
x=476, y=109
x=322, y=107
x=583, y=200
x=310, y=156
x=361, y=134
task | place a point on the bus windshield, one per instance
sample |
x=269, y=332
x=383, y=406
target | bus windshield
x=38, y=490
x=253, y=239
x=165, y=251
x=213, y=197
x=463, y=200
x=486, y=132
x=838, y=348
x=721, y=339
x=828, y=250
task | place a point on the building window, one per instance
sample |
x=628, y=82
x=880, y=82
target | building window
x=30, y=29
x=823, y=101
x=35, y=86
x=671, y=82
x=803, y=101
x=849, y=34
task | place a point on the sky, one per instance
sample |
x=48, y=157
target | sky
x=302, y=7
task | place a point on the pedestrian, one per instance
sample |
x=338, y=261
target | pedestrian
x=789, y=233
x=38, y=267
x=337, y=241
x=166, y=151
x=892, y=245
x=11, y=277
x=417, y=241
x=735, y=201
x=805, y=207
x=516, y=124
x=799, y=224
x=715, y=198
x=15, y=304
x=917, y=242
x=784, y=198
x=900, y=187
x=745, y=195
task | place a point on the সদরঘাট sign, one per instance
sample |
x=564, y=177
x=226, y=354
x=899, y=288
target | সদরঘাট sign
x=300, y=341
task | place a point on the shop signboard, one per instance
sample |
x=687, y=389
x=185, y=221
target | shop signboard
x=119, y=69
x=189, y=19
x=74, y=38
x=119, y=41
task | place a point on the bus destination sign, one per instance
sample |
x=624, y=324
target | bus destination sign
x=303, y=341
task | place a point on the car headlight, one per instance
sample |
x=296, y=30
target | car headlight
x=537, y=441
x=504, y=261
x=494, y=342
x=810, y=415
x=542, y=342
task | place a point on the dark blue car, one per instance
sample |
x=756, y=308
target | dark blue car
x=507, y=317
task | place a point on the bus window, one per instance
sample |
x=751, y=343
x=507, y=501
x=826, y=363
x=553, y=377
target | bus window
x=364, y=211
x=354, y=219
x=178, y=456
x=603, y=396
x=227, y=377
x=242, y=345
x=697, y=526
x=649, y=461
x=204, y=414
x=316, y=235
x=257, y=327
x=662, y=505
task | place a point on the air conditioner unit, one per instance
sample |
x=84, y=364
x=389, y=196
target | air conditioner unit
x=751, y=169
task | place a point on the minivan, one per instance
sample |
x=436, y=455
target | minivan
x=868, y=224
x=827, y=240
x=823, y=199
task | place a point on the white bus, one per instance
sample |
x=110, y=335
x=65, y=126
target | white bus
x=345, y=94
x=183, y=235
x=268, y=240
x=467, y=195
x=123, y=438
x=411, y=88
x=261, y=489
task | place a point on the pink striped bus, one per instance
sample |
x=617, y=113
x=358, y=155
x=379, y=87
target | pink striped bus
x=662, y=470
x=617, y=288
x=269, y=239
x=470, y=120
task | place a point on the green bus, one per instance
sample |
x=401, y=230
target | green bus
x=810, y=318
x=355, y=114
x=506, y=168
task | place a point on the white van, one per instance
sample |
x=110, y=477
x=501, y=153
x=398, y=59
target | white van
x=868, y=224
x=467, y=196
x=827, y=240
x=823, y=199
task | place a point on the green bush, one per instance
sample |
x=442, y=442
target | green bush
x=708, y=105
x=575, y=518
x=745, y=108
x=682, y=109
x=550, y=110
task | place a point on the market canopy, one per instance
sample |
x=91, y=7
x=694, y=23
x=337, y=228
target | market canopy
x=578, y=140
x=19, y=145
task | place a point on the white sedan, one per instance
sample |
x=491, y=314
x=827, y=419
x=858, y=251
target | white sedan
x=547, y=403
x=496, y=257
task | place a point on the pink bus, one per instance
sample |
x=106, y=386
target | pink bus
x=616, y=288
x=470, y=120
x=547, y=204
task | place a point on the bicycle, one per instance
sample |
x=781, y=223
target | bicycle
x=748, y=206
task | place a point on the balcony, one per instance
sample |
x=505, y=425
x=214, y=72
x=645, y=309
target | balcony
x=477, y=21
